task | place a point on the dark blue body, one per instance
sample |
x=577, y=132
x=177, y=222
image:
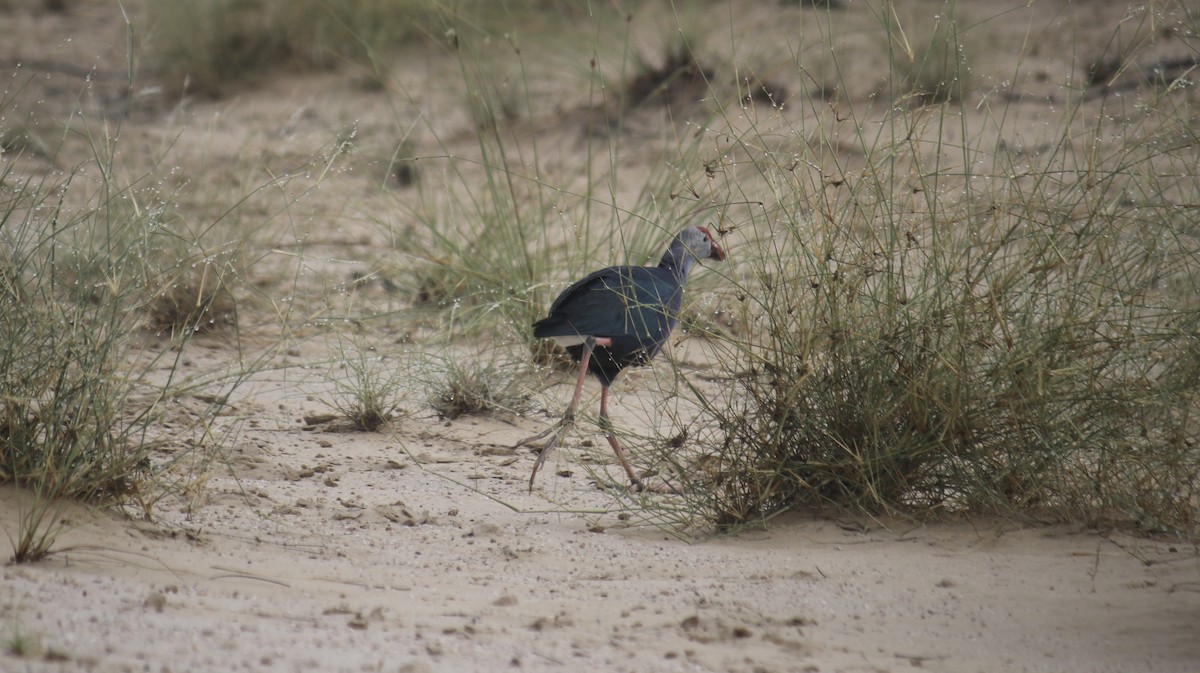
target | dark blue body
x=634, y=306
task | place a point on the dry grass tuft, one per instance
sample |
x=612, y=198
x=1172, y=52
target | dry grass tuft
x=475, y=388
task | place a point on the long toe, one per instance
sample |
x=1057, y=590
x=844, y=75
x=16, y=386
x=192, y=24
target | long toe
x=553, y=430
x=552, y=437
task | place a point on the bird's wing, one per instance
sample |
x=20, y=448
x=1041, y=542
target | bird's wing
x=629, y=301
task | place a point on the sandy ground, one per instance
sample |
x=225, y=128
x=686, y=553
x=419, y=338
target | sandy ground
x=370, y=563
x=312, y=548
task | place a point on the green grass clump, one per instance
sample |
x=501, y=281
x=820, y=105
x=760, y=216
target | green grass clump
x=1036, y=367
x=474, y=388
x=372, y=389
x=75, y=417
x=942, y=332
x=195, y=295
x=65, y=319
x=83, y=269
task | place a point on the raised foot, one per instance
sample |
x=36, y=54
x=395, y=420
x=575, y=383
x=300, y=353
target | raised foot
x=554, y=434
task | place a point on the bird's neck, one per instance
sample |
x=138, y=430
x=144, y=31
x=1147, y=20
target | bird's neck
x=678, y=262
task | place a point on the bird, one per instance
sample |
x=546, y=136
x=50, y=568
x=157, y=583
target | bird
x=615, y=318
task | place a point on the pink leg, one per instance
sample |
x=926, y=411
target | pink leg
x=556, y=432
x=612, y=440
x=569, y=416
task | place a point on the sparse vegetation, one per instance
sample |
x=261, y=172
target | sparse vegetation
x=80, y=283
x=481, y=387
x=195, y=295
x=78, y=408
x=951, y=328
x=372, y=388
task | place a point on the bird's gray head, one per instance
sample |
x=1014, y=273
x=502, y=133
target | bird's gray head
x=690, y=246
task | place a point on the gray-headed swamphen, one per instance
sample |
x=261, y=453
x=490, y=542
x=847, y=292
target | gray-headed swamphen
x=618, y=317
